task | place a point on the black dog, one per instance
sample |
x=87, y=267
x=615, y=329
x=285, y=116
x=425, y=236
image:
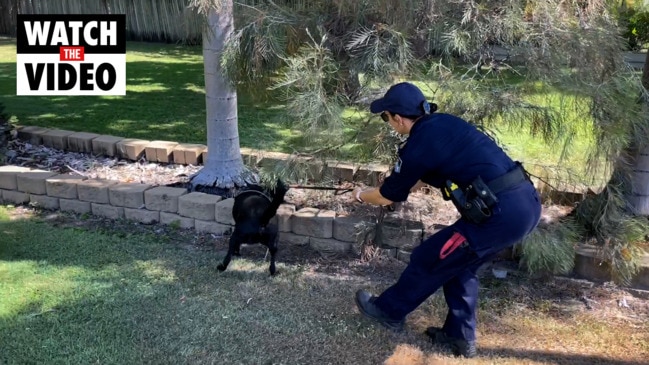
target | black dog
x=252, y=212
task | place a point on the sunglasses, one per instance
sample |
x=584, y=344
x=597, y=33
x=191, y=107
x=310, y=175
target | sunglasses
x=385, y=116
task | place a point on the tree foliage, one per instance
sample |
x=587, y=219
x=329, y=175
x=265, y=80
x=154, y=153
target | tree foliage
x=635, y=21
x=491, y=62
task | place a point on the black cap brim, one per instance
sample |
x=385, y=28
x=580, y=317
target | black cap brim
x=377, y=106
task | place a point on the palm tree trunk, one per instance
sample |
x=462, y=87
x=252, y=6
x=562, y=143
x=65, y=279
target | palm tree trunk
x=224, y=166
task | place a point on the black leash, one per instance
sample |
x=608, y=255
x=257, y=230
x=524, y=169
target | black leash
x=338, y=191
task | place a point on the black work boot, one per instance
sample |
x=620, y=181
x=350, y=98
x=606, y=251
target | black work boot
x=458, y=346
x=365, y=304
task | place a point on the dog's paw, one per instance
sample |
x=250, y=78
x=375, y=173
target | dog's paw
x=221, y=267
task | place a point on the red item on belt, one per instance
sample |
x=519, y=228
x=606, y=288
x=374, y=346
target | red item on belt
x=454, y=242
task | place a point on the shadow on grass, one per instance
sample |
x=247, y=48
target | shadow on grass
x=82, y=297
x=164, y=101
x=158, y=109
x=78, y=297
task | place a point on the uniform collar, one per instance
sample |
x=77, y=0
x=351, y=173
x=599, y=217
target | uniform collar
x=419, y=124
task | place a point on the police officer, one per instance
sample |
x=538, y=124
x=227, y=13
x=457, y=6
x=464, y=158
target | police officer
x=498, y=205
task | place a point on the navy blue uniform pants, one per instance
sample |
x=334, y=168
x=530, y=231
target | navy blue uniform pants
x=515, y=216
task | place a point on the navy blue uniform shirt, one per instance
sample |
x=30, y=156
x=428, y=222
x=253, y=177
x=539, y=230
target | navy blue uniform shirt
x=444, y=147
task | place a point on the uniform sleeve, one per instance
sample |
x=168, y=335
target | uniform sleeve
x=405, y=174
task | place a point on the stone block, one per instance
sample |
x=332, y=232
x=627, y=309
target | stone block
x=81, y=142
x=340, y=171
x=142, y=215
x=189, y=154
x=131, y=148
x=403, y=255
x=198, y=205
x=15, y=197
x=388, y=252
x=293, y=239
x=76, y=206
x=163, y=198
x=204, y=157
x=346, y=228
x=223, y=212
x=283, y=217
x=372, y=174
x=107, y=211
x=212, y=227
x=271, y=160
x=56, y=139
x=316, y=169
x=566, y=197
x=313, y=168
x=129, y=195
x=328, y=245
x=63, y=186
x=401, y=233
x=175, y=219
x=8, y=178
x=250, y=157
x=313, y=222
x=160, y=151
x=44, y=201
x=94, y=190
x=641, y=280
x=105, y=145
x=33, y=182
x=32, y=135
x=178, y=155
x=589, y=264
x=16, y=129
x=434, y=228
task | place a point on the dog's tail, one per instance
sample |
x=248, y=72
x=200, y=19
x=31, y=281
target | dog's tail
x=277, y=199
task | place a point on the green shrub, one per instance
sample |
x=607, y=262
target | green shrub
x=551, y=249
x=635, y=24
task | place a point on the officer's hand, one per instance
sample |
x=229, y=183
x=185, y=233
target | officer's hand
x=356, y=192
x=420, y=184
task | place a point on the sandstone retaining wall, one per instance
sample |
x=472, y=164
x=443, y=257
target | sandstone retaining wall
x=322, y=230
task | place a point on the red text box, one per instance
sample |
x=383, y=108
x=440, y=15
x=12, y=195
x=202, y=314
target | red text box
x=71, y=54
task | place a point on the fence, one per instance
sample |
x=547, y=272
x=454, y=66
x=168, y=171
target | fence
x=146, y=20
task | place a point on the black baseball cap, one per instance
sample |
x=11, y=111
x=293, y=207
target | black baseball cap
x=404, y=99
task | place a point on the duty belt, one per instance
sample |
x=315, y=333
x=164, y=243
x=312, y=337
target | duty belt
x=475, y=202
x=509, y=180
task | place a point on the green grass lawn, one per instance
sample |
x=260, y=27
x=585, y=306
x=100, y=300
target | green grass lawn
x=165, y=100
x=74, y=294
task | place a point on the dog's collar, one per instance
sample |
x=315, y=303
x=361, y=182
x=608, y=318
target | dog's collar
x=256, y=192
